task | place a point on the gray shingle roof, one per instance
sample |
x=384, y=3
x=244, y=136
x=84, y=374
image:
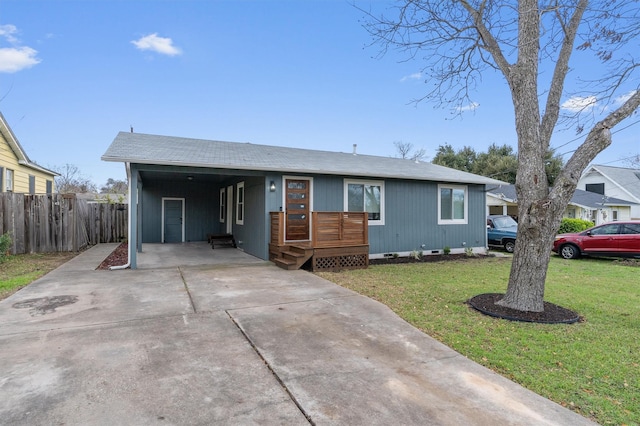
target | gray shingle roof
x=593, y=200
x=581, y=198
x=628, y=179
x=167, y=150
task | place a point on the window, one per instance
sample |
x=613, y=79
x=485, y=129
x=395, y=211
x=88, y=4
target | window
x=223, y=204
x=240, y=204
x=598, y=188
x=365, y=196
x=452, y=204
x=614, y=215
x=32, y=184
x=630, y=228
x=49, y=187
x=8, y=181
x=605, y=230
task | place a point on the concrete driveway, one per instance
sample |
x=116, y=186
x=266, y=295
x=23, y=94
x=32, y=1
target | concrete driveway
x=206, y=343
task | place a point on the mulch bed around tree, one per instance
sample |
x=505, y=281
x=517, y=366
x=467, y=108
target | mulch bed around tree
x=118, y=257
x=552, y=314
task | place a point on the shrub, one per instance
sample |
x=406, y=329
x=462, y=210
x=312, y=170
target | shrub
x=446, y=250
x=574, y=225
x=5, y=245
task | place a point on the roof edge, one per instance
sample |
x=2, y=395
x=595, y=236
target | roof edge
x=485, y=180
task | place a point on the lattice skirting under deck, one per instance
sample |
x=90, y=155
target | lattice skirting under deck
x=343, y=258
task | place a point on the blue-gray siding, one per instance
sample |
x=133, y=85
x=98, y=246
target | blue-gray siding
x=201, y=209
x=411, y=216
x=411, y=211
x=252, y=236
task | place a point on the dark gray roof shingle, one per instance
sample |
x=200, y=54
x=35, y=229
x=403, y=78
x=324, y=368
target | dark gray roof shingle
x=580, y=198
x=168, y=150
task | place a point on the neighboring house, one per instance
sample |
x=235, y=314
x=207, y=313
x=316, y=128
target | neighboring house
x=17, y=172
x=618, y=182
x=583, y=205
x=188, y=189
x=108, y=198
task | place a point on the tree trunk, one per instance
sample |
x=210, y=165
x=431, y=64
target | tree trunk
x=537, y=227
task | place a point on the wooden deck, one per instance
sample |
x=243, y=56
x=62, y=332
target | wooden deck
x=339, y=240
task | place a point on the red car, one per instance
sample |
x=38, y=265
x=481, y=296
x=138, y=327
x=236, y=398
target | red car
x=615, y=239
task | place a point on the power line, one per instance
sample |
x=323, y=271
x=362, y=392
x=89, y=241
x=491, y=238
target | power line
x=580, y=137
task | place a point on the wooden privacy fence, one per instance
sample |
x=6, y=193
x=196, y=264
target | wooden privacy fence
x=59, y=222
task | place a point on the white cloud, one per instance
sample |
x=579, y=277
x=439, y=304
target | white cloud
x=163, y=45
x=623, y=98
x=471, y=107
x=579, y=103
x=16, y=58
x=8, y=31
x=414, y=76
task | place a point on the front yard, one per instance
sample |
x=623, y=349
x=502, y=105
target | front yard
x=592, y=367
x=19, y=270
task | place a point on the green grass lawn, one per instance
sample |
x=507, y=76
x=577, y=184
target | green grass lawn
x=591, y=367
x=19, y=270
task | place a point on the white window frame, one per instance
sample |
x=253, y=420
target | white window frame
x=223, y=204
x=379, y=183
x=8, y=180
x=464, y=221
x=240, y=203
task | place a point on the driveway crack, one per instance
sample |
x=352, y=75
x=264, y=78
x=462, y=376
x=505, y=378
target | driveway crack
x=286, y=389
x=186, y=287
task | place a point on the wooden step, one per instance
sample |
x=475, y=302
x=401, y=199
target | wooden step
x=290, y=257
x=293, y=255
x=287, y=264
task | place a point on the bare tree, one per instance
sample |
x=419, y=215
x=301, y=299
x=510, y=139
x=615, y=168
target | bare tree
x=70, y=180
x=530, y=43
x=405, y=150
x=633, y=162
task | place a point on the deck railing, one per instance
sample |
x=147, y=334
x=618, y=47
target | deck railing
x=328, y=229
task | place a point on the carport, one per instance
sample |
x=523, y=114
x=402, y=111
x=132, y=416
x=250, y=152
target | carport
x=199, y=253
x=184, y=204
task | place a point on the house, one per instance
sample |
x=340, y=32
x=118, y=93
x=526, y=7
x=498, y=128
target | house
x=583, y=205
x=619, y=182
x=17, y=172
x=272, y=200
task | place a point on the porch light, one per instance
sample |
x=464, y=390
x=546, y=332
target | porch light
x=189, y=177
x=272, y=186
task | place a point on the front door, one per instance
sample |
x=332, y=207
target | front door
x=297, y=209
x=172, y=220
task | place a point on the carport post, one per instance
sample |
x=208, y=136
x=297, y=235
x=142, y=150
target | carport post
x=133, y=216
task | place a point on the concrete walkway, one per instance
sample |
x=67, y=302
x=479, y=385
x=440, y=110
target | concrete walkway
x=203, y=343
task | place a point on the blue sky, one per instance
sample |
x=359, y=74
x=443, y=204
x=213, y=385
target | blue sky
x=289, y=73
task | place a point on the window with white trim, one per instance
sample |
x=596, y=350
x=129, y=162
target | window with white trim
x=452, y=204
x=365, y=196
x=8, y=180
x=223, y=204
x=240, y=204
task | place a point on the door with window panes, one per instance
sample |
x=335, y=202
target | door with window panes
x=297, y=209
